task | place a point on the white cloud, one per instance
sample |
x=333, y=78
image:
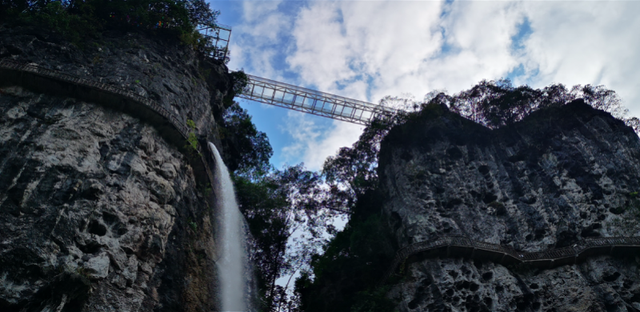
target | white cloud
x=393, y=48
x=344, y=42
x=303, y=131
x=342, y=134
x=586, y=43
x=312, y=143
x=255, y=42
x=370, y=49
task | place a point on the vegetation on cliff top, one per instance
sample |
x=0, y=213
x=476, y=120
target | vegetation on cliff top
x=79, y=20
x=276, y=203
x=344, y=277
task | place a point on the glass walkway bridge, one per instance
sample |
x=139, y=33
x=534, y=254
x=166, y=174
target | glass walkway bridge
x=313, y=102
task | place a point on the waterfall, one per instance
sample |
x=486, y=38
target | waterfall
x=231, y=266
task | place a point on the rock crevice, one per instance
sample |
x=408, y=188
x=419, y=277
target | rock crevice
x=560, y=177
x=99, y=209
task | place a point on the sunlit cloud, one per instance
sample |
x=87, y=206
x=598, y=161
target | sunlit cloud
x=254, y=45
x=586, y=43
x=370, y=49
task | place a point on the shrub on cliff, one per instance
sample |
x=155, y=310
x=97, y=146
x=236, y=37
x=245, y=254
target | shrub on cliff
x=495, y=104
x=340, y=279
x=80, y=19
x=492, y=103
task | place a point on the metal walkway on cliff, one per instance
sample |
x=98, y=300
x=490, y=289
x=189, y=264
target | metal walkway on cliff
x=461, y=246
x=175, y=130
x=289, y=96
x=312, y=102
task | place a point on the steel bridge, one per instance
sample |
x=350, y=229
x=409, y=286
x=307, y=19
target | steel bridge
x=312, y=102
x=293, y=97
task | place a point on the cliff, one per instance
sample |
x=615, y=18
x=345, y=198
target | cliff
x=103, y=205
x=561, y=177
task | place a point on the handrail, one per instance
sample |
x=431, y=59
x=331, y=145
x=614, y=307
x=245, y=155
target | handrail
x=547, y=258
x=311, y=101
x=105, y=92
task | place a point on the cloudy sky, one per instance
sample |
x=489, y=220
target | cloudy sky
x=369, y=49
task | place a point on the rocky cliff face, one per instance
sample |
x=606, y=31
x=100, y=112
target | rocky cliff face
x=559, y=176
x=98, y=211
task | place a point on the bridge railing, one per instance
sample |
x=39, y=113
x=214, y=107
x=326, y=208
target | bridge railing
x=219, y=37
x=311, y=101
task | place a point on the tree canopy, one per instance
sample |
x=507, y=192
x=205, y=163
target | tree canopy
x=344, y=276
x=288, y=211
x=80, y=19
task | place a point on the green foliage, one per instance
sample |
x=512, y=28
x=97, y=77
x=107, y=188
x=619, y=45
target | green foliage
x=75, y=22
x=353, y=171
x=276, y=203
x=192, y=142
x=498, y=103
x=81, y=19
x=352, y=263
x=239, y=80
x=192, y=139
x=247, y=150
x=193, y=226
x=373, y=301
x=191, y=124
x=275, y=206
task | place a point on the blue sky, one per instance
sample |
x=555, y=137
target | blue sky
x=369, y=49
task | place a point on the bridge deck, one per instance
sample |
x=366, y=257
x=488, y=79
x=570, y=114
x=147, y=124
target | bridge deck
x=310, y=101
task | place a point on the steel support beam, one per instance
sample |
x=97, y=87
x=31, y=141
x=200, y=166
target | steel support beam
x=312, y=102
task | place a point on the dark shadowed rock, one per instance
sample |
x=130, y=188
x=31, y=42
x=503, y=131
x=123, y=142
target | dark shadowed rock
x=560, y=176
x=98, y=212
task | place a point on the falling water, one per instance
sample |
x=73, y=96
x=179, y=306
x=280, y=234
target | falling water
x=232, y=263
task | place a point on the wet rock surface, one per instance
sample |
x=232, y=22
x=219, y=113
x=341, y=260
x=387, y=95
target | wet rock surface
x=97, y=211
x=558, y=177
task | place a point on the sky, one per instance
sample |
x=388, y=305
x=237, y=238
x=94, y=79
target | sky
x=370, y=49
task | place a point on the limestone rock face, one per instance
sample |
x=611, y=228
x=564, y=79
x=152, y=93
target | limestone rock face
x=97, y=211
x=559, y=176
x=152, y=67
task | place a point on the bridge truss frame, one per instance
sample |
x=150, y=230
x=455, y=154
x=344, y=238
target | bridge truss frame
x=312, y=102
x=220, y=37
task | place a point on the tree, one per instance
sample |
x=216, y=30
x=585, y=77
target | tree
x=498, y=103
x=80, y=19
x=247, y=150
x=277, y=206
x=342, y=277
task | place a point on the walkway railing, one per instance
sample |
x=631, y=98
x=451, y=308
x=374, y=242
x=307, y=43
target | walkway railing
x=219, y=37
x=466, y=247
x=310, y=101
x=168, y=124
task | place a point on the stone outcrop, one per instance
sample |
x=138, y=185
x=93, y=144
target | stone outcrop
x=152, y=67
x=558, y=177
x=99, y=211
